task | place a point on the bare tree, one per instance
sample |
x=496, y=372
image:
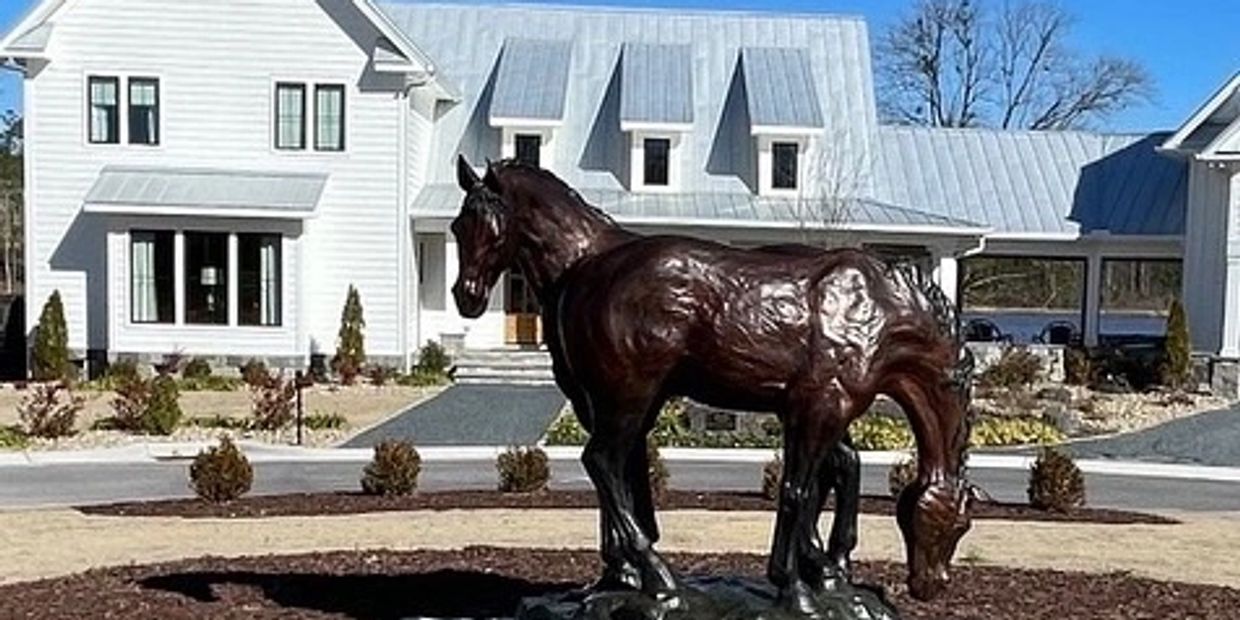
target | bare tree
x=951, y=64
x=836, y=175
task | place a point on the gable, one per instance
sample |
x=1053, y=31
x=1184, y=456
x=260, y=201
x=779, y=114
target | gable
x=1214, y=129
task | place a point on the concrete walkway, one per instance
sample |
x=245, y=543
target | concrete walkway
x=1207, y=439
x=472, y=415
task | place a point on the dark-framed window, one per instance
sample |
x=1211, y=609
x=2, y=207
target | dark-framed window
x=104, y=113
x=329, y=117
x=658, y=160
x=290, y=122
x=259, y=279
x=144, y=111
x=784, y=156
x=206, y=278
x=528, y=148
x=152, y=276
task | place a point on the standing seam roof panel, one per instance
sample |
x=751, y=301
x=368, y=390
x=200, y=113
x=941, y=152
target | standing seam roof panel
x=532, y=80
x=780, y=88
x=656, y=83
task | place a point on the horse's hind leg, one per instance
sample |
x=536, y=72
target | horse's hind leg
x=843, y=476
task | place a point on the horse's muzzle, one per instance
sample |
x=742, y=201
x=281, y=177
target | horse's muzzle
x=471, y=297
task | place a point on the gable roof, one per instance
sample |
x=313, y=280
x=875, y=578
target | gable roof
x=656, y=85
x=1213, y=131
x=1057, y=183
x=530, y=82
x=779, y=90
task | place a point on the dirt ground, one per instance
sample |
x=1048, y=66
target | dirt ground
x=38, y=544
x=361, y=405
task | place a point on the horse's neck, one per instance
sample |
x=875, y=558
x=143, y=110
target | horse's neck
x=552, y=241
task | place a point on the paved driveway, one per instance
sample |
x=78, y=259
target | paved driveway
x=1207, y=439
x=472, y=415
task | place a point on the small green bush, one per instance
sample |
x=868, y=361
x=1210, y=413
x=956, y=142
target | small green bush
x=657, y=471
x=433, y=359
x=418, y=378
x=12, y=438
x=163, y=412
x=379, y=375
x=1055, y=482
x=129, y=406
x=147, y=406
x=221, y=474
x=255, y=373
x=196, y=368
x=350, y=355
x=393, y=470
x=1177, y=371
x=902, y=473
x=878, y=432
x=1017, y=368
x=274, y=403
x=210, y=383
x=221, y=422
x=50, y=410
x=1014, y=431
x=566, y=431
x=523, y=470
x=772, y=477
x=50, y=353
x=121, y=370
x=325, y=421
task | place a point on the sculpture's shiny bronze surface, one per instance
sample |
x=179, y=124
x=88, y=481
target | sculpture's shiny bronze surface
x=811, y=335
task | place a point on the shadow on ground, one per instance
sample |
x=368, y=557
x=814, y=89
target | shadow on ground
x=439, y=594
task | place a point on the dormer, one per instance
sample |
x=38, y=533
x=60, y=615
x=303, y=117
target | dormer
x=784, y=115
x=527, y=103
x=656, y=112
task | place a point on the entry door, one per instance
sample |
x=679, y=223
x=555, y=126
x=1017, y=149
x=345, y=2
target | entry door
x=523, y=325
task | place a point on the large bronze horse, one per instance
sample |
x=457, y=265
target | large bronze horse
x=813, y=336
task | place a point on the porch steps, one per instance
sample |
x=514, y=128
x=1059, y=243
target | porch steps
x=504, y=367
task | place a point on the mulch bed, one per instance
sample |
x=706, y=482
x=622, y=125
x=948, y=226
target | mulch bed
x=485, y=582
x=311, y=504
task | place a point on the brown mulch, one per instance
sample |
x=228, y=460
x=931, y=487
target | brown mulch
x=485, y=582
x=311, y=504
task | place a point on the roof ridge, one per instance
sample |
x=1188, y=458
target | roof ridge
x=1023, y=132
x=654, y=10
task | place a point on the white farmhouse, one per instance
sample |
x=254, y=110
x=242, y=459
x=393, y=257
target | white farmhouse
x=210, y=176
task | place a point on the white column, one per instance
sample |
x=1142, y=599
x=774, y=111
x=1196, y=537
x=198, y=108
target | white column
x=233, y=277
x=1093, y=297
x=947, y=274
x=178, y=279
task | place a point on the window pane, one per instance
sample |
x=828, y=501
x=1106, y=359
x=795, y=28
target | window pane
x=1136, y=295
x=151, y=277
x=1024, y=297
x=290, y=116
x=144, y=111
x=658, y=151
x=104, y=110
x=329, y=127
x=259, y=275
x=206, y=278
x=784, y=165
x=528, y=147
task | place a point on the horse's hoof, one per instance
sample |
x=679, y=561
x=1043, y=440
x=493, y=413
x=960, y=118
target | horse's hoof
x=618, y=579
x=800, y=600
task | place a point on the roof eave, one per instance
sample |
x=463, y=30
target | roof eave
x=1176, y=141
x=238, y=212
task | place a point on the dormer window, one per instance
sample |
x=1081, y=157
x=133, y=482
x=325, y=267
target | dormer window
x=656, y=110
x=655, y=160
x=785, y=171
x=528, y=148
x=658, y=153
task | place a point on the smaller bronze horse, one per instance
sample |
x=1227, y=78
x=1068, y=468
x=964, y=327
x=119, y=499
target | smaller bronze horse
x=813, y=336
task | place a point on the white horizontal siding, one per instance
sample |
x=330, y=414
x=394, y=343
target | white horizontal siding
x=217, y=63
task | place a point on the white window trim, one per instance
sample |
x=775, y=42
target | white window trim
x=178, y=282
x=311, y=115
x=766, y=162
x=122, y=105
x=637, y=161
x=508, y=148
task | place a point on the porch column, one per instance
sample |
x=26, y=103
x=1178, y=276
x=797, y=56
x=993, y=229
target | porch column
x=1093, y=298
x=947, y=274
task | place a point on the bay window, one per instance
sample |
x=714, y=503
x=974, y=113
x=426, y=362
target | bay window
x=206, y=278
x=258, y=284
x=104, y=114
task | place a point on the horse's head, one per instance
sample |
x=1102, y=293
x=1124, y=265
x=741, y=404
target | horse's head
x=484, y=243
x=932, y=518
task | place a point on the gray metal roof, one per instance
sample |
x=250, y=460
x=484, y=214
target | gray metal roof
x=723, y=209
x=1035, y=182
x=780, y=88
x=656, y=83
x=531, y=80
x=120, y=189
x=465, y=39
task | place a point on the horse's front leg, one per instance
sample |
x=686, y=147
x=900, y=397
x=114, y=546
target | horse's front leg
x=841, y=474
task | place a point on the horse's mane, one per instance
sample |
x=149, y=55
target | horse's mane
x=567, y=193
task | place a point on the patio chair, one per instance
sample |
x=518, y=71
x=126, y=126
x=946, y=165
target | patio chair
x=984, y=330
x=1058, y=333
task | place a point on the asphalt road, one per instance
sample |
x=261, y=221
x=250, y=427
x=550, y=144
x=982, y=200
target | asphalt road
x=63, y=485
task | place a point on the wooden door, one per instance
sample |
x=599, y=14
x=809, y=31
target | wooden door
x=522, y=323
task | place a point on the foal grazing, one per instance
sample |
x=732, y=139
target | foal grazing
x=812, y=336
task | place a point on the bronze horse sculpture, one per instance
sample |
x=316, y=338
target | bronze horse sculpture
x=813, y=336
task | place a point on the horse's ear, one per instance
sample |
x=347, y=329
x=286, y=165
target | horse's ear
x=491, y=180
x=465, y=175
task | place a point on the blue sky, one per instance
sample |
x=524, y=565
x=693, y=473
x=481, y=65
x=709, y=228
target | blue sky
x=1190, y=46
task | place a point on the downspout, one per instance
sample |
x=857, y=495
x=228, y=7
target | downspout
x=404, y=308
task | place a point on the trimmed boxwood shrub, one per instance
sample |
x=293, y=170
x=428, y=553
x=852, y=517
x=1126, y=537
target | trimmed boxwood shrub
x=1055, y=482
x=523, y=470
x=393, y=470
x=221, y=474
x=772, y=476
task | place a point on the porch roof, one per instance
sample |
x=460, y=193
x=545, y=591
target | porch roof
x=209, y=193
x=731, y=210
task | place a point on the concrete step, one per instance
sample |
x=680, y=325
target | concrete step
x=504, y=366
